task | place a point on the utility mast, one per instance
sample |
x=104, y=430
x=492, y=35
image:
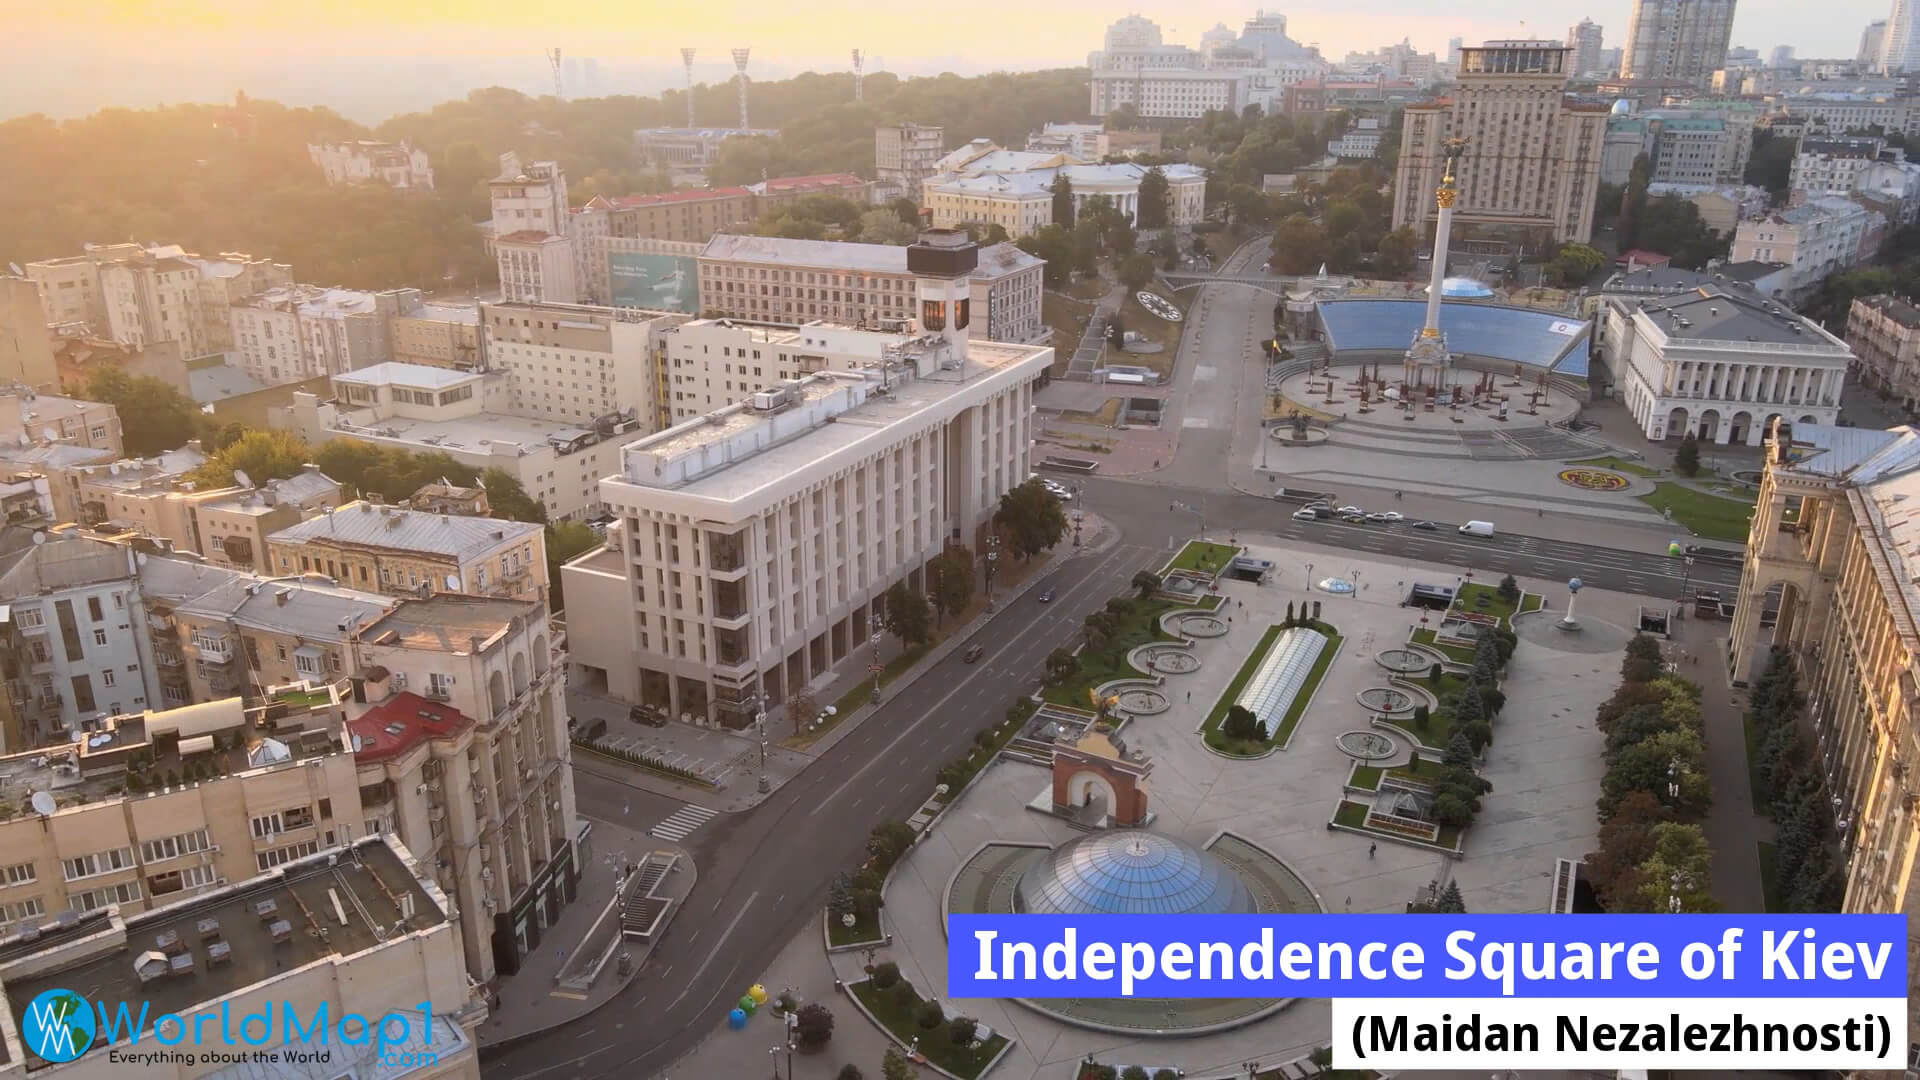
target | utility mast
x=858, y=76
x=686, y=57
x=559, y=91
x=740, y=66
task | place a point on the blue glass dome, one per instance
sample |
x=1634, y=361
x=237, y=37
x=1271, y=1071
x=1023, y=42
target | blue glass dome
x=1130, y=873
x=1465, y=288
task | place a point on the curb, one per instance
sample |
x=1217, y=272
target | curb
x=924, y=1062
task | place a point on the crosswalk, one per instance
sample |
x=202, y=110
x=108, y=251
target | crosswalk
x=682, y=822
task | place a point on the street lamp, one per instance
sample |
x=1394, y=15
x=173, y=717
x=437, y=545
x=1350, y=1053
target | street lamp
x=1309, y=575
x=1354, y=573
x=993, y=556
x=875, y=667
x=760, y=731
x=1686, y=574
x=773, y=1055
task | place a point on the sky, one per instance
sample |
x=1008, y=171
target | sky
x=504, y=40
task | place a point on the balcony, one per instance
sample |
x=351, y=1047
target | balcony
x=214, y=648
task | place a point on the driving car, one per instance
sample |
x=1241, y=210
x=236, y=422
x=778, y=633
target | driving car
x=973, y=653
x=1386, y=515
x=1305, y=515
x=1345, y=510
x=1046, y=596
x=1425, y=525
x=1354, y=518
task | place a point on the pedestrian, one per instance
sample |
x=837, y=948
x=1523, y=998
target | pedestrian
x=1373, y=847
x=1189, y=697
x=627, y=810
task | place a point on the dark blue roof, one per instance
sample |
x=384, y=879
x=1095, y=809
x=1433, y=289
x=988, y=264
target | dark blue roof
x=1538, y=339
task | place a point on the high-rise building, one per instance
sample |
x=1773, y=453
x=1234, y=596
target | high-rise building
x=26, y=345
x=1781, y=57
x=1531, y=163
x=1584, y=38
x=1900, y=47
x=904, y=155
x=1872, y=40
x=1677, y=39
x=536, y=256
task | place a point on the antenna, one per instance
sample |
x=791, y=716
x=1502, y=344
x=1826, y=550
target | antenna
x=740, y=65
x=553, y=57
x=686, y=57
x=241, y=478
x=43, y=803
x=858, y=75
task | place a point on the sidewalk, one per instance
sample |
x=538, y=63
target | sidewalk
x=533, y=1002
x=1734, y=827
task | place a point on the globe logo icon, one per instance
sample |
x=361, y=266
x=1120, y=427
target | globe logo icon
x=58, y=1026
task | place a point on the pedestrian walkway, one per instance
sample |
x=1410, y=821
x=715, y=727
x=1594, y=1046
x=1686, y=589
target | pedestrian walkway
x=682, y=822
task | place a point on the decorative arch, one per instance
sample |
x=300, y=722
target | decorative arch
x=542, y=655
x=1676, y=422
x=521, y=679
x=497, y=693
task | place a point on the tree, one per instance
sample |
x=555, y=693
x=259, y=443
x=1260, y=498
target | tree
x=1299, y=245
x=154, y=417
x=839, y=896
x=1626, y=842
x=1396, y=253
x=1166, y=249
x=1249, y=205
x=894, y=1066
x=1770, y=163
x=1146, y=583
x=1633, y=204
x=1061, y=663
x=1156, y=199
x=908, y=615
x=1575, y=263
x=885, y=227
x=1062, y=191
x=566, y=541
x=1136, y=271
x=802, y=709
x=995, y=233
x=1451, y=902
x=1680, y=869
x=1509, y=589
x=1031, y=519
x=952, y=576
x=850, y=1071
x=1241, y=723
x=1133, y=1072
x=961, y=1029
x=261, y=455
x=888, y=841
x=1055, y=245
x=929, y=1015
x=885, y=975
x=1686, y=460
x=813, y=1026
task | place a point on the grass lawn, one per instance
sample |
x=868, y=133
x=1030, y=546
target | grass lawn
x=1105, y=415
x=308, y=698
x=1457, y=653
x=1707, y=516
x=1067, y=318
x=1250, y=747
x=1354, y=815
x=1365, y=776
x=863, y=930
x=897, y=1016
x=1495, y=605
x=1153, y=328
x=1769, y=888
x=1194, y=553
x=1532, y=602
x=1619, y=464
x=1089, y=288
x=1368, y=776
x=1757, y=784
x=1109, y=661
x=1439, y=726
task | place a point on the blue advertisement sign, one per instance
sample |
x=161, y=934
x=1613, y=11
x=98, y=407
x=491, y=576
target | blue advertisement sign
x=660, y=282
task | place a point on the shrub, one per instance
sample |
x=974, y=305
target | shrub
x=1240, y=723
x=962, y=1030
x=928, y=1015
x=1165, y=1074
x=1434, y=672
x=1509, y=589
x=1133, y=1072
x=850, y=1071
x=902, y=995
x=1420, y=716
x=1492, y=698
x=813, y=1026
x=886, y=975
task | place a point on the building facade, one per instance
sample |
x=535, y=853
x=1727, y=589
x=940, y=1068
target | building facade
x=904, y=155
x=755, y=542
x=400, y=551
x=575, y=364
x=1531, y=164
x=1013, y=190
x=690, y=217
x=397, y=165
x=78, y=645
x=1721, y=364
x=1814, y=239
x=1832, y=165
x=1585, y=39
x=1884, y=333
x=1677, y=39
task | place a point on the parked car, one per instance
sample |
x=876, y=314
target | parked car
x=1354, y=519
x=592, y=729
x=648, y=715
x=1352, y=510
x=1388, y=516
x=1305, y=515
x=973, y=653
x=1428, y=525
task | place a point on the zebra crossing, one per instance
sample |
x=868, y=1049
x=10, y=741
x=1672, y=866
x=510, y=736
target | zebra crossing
x=683, y=822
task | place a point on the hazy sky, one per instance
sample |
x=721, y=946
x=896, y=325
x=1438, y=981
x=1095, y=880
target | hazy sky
x=787, y=36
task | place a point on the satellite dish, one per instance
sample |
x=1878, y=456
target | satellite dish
x=15, y=267
x=240, y=477
x=43, y=803
x=140, y=558
x=39, y=538
x=453, y=582
x=49, y=434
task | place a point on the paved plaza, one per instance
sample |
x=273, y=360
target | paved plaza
x=1544, y=764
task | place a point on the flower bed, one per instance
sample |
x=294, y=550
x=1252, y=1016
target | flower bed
x=895, y=1012
x=1593, y=479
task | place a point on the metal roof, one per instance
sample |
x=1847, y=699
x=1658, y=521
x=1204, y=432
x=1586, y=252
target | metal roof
x=393, y=372
x=363, y=524
x=1538, y=339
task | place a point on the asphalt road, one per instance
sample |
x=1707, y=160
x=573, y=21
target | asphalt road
x=1141, y=512
x=764, y=873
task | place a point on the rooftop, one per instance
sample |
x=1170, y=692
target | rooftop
x=216, y=381
x=305, y=487
x=440, y=312
x=63, y=561
x=1894, y=307
x=306, y=607
x=336, y=903
x=1862, y=455
x=632, y=202
x=36, y=410
x=530, y=236
x=363, y=524
x=1556, y=342
x=54, y=456
x=478, y=433
x=705, y=133
x=994, y=261
x=1712, y=313
x=402, y=722
x=1674, y=279
x=396, y=373
x=333, y=302
x=452, y=623
x=821, y=182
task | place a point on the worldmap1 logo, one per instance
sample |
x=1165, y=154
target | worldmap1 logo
x=58, y=1026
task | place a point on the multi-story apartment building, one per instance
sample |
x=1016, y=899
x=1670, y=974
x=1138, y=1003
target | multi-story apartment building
x=349, y=932
x=528, y=198
x=1686, y=147
x=227, y=279
x=1900, y=42
x=78, y=645
x=1379, y=95
x=682, y=216
x=1012, y=189
x=405, y=552
x=26, y=344
x=451, y=499
x=398, y=165
x=1840, y=111
x=1815, y=239
x=462, y=748
x=530, y=229
x=1164, y=81
x=1829, y=537
x=536, y=266
x=129, y=294
x=291, y=333
x=1720, y=363
x=904, y=155
x=1893, y=186
x=469, y=416
x=1586, y=39
x=690, y=148
x=1884, y=333
x=574, y=364
x=1831, y=165
x=772, y=196
x=1723, y=207
x=1873, y=40
x=773, y=279
x=436, y=334
x=28, y=416
x=1531, y=163
x=754, y=543
x=1677, y=39
x=237, y=633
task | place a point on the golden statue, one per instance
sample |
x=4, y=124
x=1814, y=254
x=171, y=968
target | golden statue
x=1451, y=150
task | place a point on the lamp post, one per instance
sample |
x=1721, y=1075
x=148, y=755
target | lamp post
x=1309, y=575
x=760, y=732
x=1354, y=572
x=993, y=556
x=1686, y=575
x=773, y=1055
x=875, y=667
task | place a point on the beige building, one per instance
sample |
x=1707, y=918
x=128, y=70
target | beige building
x=463, y=750
x=574, y=364
x=77, y=357
x=348, y=932
x=407, y=552
x=228, y=525
x=362, y=161
x=1677, y=39
x=27, y=416
x=755, y=541
x=1814, y=239
x=26, y=345
x=451, y=499
x=1531, y=163
x=986, y=185
x=536, y=266
x=130, y=294
x=1829, y=541
x=904, y=155
x=690, y=217
x=773, y=279
x=1884, y=333
x=437, y=335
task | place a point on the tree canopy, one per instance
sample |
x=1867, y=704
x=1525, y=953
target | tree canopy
x=154, y=417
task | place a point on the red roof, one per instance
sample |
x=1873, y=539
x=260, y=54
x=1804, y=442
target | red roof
x=401, y=723
x=1641, y=257
x=824, y=180
x=628, y=202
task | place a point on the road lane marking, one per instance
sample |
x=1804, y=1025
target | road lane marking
x=717, y=946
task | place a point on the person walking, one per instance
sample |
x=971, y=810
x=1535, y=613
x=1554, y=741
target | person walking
x=1373, y=847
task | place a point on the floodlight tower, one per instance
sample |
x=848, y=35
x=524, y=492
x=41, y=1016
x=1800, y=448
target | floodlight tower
x=740, y=66
x=553, y=57
x=686, y=57
x=858, y=75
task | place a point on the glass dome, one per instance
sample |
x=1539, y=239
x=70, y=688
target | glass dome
x=1464, y=288
x=1130, y=873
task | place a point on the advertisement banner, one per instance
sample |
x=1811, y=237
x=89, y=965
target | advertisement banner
x=659, y=282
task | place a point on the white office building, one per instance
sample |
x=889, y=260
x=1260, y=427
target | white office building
x=575, y=364
x=1831, y=165
x=754, y=543
x=86, y=653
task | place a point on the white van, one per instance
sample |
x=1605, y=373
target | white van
x=1477, y=528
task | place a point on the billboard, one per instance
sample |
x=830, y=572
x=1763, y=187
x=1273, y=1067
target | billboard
x=660, y=282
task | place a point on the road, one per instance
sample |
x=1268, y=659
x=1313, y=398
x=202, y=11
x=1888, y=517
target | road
x=764, y=873
x=1145, y=517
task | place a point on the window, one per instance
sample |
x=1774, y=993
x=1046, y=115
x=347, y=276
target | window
x=97, y=863
x=172, y=847
x=22, y=909
x=93, y=609
x=106, y=678
x=19, y=874
x=267, y=860
x=297, y=817
x=100, y=638
x=126, y=893
x=28, y=618
x=439, y=685
x=267, y=825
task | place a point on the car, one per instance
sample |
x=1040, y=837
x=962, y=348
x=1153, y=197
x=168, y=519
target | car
x=648, y=715
x=1305, y=515
x=1354, y=519
x=973, y=653
x=1062, y=494
x=1428, y=525
x=1388, y=516
x=1046, y=596
x=1351, y=510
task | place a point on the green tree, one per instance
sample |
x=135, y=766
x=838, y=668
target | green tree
x=1055, y=245
x=1156, y=199
x=1509, y=589
x=961, y=1029
x=929, y=1015
x=1031, y=519
x=894, y=1066
x=813, y=1026
x=566, y=541
x=907, y=210
x=1451, y=902
x=1146, y=583
x=1686, y=460
x=1299, y=245
x=1136, y=271
x=154, y=417
x=849, y=1071
x=260, y=455
x=1770, y=163
x=995, y=233
x=1062, y=191
x=884, y=227
x=1166, y=249
x=1575, y=263
x=1133, y=1072
x=1395, y=255
x=952, y=576
x=908, y=615
x=885, y=974
x=1680, y=869
x=1625, y=843
x=1633, y=203
x=1061, y=664
x=1240, y=723
x=508, y=499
